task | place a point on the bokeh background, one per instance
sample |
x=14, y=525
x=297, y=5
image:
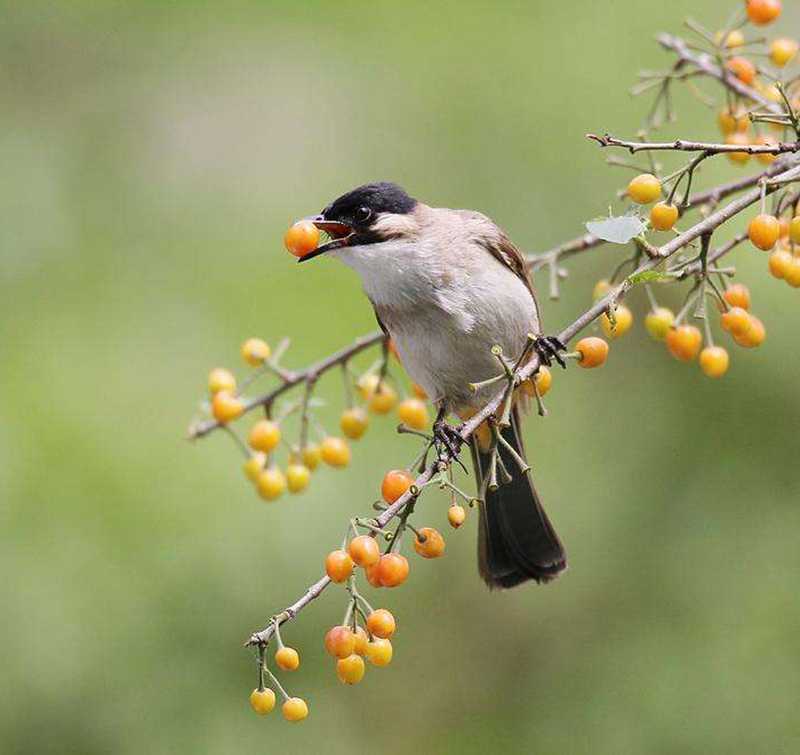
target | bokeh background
x=153, y=154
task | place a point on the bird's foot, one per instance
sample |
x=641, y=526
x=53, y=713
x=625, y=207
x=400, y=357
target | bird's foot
x=548, y=349
x=447, y=438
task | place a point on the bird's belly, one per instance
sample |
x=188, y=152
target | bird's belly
x=444, y=353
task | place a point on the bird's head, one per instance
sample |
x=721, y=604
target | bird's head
x=369, y=214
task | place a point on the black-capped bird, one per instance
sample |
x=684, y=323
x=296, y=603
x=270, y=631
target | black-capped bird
x=447, y=286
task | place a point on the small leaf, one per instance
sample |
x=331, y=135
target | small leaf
x=619, y=230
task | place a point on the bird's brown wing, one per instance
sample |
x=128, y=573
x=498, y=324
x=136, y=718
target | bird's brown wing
x=504, y=251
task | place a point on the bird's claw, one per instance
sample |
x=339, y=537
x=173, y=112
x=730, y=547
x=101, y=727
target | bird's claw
x=549, y=348
x=447, y=438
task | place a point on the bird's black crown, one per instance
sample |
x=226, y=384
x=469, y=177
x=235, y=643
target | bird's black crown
x=366, y=202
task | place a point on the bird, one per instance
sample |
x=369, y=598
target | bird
x=447, y=287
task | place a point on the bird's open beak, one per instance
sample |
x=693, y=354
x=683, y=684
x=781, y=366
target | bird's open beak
x=340, y=234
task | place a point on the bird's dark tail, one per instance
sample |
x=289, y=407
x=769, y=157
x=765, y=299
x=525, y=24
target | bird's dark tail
x=516, y=541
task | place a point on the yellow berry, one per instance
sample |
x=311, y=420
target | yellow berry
x=311, y=455
x=456, y=515
x=255, y=351
x=782, y=51
x=792, y=276
x=623, y=320
x=543, y=379
x=354, y=422
x=714, y=361
x=644, y=189
x=379, y=652
x=730, y=122
x=740, y=140
x=295, y=709
x=733, y=38
x=220, y=379
x=287, y=659
x=335, y=452
x=658, y=322
x=297, y=477
x=226, y=407
x=253, y=466
x=766, y=158
x=264, y=436
x=737, y=295
x=764, y=231
x=350, y=670
x=383, y=400
x=414, y=413
x=663, y=216
x=794, y=229
x=262, y=701
x=601, y=288
x=271, y=483
x=779, y=263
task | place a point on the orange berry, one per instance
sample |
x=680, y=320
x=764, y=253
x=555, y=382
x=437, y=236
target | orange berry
x=392, y=569
x=764, y=231
x=593, y=351
x=295, y=709
x=735, y=320
x=340, y=641
x=782, y=51
x=226, y=407
x=644, y=189
x=414, y=413
x=543, y=379
x=623, y=320
x=361, y=641
x=350, y=670
x=740, y=140
x=794, y=229
x=663, y=216
x=379, y=652
x=311, y=455
x=287, y=659
x=714, y=361
x=456, y=515
x=752, y=336
x=433, y=544
x=381, y=623
x=779, y=263
x=742, y=69
x=372, y=574
x=684, y=342
x=730, y=122
x=395, y=483
x=792, y=276
x=253, y=466
x=601, y=288
x=297, y=477
x=271, y=483
x=419, y=391
x=658, y=322
x=766, y=158
x=737, y=295
x=335, y=452
x=338, y=565
x=264, y=436
x=354, y=422
x=364, y=550
x=262, y=701
x=220, y=379
x=301, y=238
x=762, y=12
x=255, y=351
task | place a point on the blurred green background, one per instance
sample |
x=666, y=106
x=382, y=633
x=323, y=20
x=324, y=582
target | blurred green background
x=153, y=154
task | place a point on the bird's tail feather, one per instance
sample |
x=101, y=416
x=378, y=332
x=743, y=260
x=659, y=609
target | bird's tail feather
x=516, y=541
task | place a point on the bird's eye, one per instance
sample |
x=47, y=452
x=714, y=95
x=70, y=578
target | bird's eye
x=363, y=214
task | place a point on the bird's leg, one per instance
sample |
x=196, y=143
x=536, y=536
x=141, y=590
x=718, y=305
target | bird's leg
x=549, y=348
x=445, y=436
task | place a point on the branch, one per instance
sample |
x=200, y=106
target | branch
x=293, y=378
x=705, y=63
x=703, y=228
x=682, y=145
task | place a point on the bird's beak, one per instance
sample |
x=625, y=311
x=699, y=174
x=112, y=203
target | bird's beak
x=340, y=234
